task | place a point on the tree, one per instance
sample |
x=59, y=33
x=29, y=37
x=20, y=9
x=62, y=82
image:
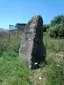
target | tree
x=57, y=20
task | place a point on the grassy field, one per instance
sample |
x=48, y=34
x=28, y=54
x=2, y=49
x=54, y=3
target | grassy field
x=14, y=72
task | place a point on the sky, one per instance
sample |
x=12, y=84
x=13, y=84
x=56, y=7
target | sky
x=21, y=11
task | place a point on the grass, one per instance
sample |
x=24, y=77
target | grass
x=14, y=72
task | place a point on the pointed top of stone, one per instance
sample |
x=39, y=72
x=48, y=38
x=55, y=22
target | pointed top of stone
x=36, y=18
x=36, y=22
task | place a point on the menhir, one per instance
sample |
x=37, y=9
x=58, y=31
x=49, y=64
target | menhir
x=32, y=50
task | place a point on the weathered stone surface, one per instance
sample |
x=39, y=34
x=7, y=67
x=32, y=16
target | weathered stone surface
x=32, y=50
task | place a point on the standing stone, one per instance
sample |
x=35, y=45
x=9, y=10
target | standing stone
x=32, y=50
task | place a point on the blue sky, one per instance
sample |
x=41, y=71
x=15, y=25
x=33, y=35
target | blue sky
x=13, y=11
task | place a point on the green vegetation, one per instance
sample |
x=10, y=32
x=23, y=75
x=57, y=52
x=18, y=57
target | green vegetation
x=14, y=72
x=56, y=27
x=46, y=27
x=57, y=31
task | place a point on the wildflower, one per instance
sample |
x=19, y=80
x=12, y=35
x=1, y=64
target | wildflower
x=40, y=78
x=35, y=63
x=58, y=65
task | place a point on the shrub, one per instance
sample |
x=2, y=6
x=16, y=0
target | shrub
x=57, y=31
x=46, y=27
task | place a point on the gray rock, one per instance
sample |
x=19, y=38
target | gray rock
x=32, y=50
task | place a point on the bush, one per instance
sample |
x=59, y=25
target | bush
x=46, y=27
x=57, y=31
